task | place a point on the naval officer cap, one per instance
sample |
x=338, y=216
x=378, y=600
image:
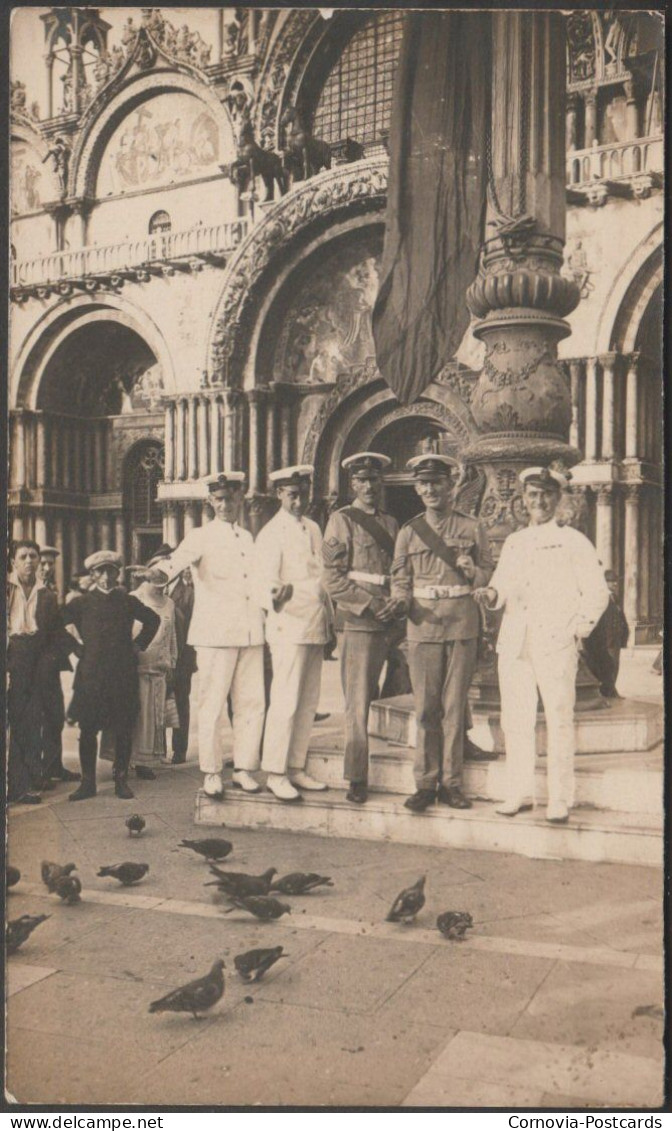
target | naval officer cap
x=103, y=558
x=431, y=464
x=363, y=464
x=49, y=552
x=216, y=483
x=546, y=477
x=292, y=476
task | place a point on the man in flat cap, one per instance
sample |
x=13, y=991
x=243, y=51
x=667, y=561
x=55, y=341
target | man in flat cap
x=52, y=705
x=440, y=557
x=47, y=566
x=357, y=554
x=105, y=693
x=550, y=584
x=227, y=632
x=288, y=559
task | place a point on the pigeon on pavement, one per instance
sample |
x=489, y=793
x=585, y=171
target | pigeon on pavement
x=135, y=824
x=408, y=903
x=127, y=873
x=12, y=875
x=454, y=924
x=69, y=889
x=261, y=906
x=212, y=849
x=239, y=883
x=196, y=996
x=254, y=963
x=52, y=872
x=299, y=883
x=18, y=930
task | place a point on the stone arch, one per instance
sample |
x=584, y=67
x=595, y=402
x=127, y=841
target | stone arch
x=57, y=324
x=292, y=40
x=123, y=95
x=314, y=205
x=632, y=287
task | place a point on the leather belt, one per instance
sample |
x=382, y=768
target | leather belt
x=370, y=578
x=436, y=592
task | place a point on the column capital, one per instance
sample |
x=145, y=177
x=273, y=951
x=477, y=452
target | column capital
x=605, y=495
x=633, y=493
x=608, y=360
x=257, y=395
x=633, y=359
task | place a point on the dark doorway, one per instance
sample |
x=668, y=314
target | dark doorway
x=401, y=501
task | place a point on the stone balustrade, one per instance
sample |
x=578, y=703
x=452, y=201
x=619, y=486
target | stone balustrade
x=618, y=161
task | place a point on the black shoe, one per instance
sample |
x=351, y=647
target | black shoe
x=28, y=799
x=420, y=800
x=320, y=716
x=87, y=789
x=178, y=759
x=144, y=773
x=358, y=792
x=473, y=753
x=122, y=789
x=452, y=795
x=61, y=774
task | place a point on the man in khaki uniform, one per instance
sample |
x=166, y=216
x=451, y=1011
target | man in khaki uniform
x=357, y=551
x=439, y=558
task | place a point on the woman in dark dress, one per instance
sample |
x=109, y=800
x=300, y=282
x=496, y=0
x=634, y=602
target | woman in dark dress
x=105, y=694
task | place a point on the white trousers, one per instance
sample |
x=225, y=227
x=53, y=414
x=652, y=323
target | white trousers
x=295, y=694
x=239, y=671
x=554, y=676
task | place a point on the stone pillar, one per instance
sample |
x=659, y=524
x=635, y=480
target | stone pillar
x=202, y=429
x=604, y=525
x=591, y=409
x=271, y=462
x=17, y=526
x=55, y=451
x=286, y=433
x=171, y=530
x=169, y=442
x=216, y=460
x=100, y=456
x=92, y=458
x=41, y=529
x=575, y=395
x=66, y=473
x=190, y=517
x=590, y=119
x=20, y=449
x=120, y=535
x=91, y=537
x=254, y=398
x=74, y=544
x=76, y=457
x=192, y=448
x=180, y=429
x=631, y=409
x=571, y=114
x=106, y=532
x=631, y=110
x=608, y=362
x=59, y=544
x=631, y=558
x=230, y=414
x=49, y=61
x=41, y=454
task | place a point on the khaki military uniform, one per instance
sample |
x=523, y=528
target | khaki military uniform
x=356, y=574
x=443, y=630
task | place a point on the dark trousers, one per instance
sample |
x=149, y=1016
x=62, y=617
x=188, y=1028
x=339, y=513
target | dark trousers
x=441, y=674
x=53, y=720
x=362, y=657
x=88, y=751
x=24, y=769
x=183, y=676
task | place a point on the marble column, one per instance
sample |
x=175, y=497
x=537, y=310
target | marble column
x=631, y=409
x=75, y=562
x=631, y=558
x=591, y=409
x=100, y=456
x=230, y=422
x=190, y=517
x=216, y=461
x=192, y=447
x=55, y=452
x=608, y=363
x=604, y=525
x=271, y=462
x=169, y=442
x=171, y=530
x=76, y=457
x=590, y=119
x=59, y=543
x=575, y=396
x=180, y=449
x=202, y=428
x=93, y=466
x=66, y=465
x=41, y=530
x=41, y=452
x=254, y=398
x=286, y=434
x=91, y=535
x=106, y=532
x=631, y=110
x=17, y=526
x=571, y=115
x=20, y=449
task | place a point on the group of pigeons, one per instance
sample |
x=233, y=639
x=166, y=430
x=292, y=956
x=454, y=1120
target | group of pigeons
x=242, y=891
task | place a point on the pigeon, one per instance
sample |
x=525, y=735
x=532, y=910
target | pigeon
x=196, y=996
x=135, y=824
x=254, y=963
x=69, y=889
x=299, y=883
x=127, y=873
x=12, y=875
x=18, y=930
x=212, y=849
x=239, y=883
x=261, y=906
x=454, y=924
x=408, y=903
x=52, y=872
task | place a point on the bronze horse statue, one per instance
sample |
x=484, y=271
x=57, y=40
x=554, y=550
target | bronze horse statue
x=304, y=154
x=253, y=161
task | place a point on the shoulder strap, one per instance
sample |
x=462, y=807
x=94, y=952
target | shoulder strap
x=434, y=541
x=383, y=540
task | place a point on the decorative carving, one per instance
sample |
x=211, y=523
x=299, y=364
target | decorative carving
x=581, y=46
x=522, y=386
x=251, y=160
x=458, y=378
x=304, y=155
x=276, y=71
x=60, y=155
x=469, y=489
x=576, y=267
x=525, y=287
x=597, y=195
x=19, y=103
x=642, y=186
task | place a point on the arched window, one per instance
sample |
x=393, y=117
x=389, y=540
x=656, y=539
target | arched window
x=146, y=472
x=160, y=222
x=356, y=99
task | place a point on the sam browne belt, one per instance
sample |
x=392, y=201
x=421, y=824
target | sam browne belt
x=370, y=578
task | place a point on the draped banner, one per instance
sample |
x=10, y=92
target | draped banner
x=436, y=197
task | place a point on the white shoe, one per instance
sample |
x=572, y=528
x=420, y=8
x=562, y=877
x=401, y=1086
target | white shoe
x=510, y=808
x=212, y=785
x=282, y=788
x=303, y=780
x=557, y=813
x=244, y=780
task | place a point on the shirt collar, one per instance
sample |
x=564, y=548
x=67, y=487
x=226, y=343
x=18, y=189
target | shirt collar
x=14, y=580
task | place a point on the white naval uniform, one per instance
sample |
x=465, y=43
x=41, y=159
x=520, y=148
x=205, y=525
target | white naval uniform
x=288, y=551
x=227, y=632
x=551, y=585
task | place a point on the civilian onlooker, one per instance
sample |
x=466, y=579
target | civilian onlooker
x=602, y=649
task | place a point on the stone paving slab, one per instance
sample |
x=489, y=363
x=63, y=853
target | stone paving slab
x=20, y=976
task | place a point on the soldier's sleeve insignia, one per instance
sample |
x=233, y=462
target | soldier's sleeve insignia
x=333, y=550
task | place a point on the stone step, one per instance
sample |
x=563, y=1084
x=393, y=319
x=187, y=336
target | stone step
x=619, y=838
x=630, y=784
x=627, y=725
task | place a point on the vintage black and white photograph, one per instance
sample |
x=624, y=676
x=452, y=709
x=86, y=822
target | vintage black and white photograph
x=335, y=561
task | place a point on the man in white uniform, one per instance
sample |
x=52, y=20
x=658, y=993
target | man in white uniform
x=288, y=558
x=228, y=634
x=550, y=584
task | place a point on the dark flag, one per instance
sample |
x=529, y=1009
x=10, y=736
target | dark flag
x=436, y=196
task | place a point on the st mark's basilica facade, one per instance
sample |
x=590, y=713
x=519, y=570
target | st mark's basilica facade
x=168, y=321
